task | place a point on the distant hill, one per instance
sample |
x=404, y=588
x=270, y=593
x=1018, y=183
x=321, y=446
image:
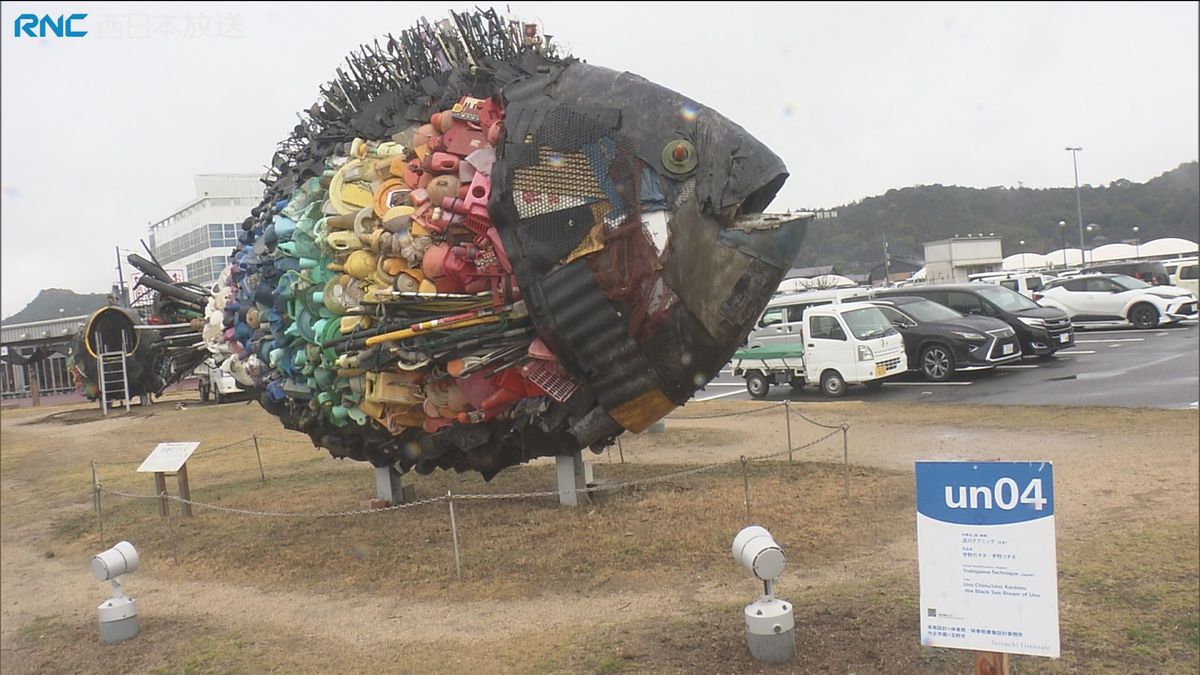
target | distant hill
x=1166, y=206
x=50, y=300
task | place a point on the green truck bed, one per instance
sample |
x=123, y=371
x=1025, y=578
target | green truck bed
x=786, y=351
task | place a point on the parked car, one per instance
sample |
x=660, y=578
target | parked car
x=1041, y=330
x=1184, y=273
x=940, y=341
x=1025, y=283
x=1119, y=299
x=1149, y=271
x=782, y=320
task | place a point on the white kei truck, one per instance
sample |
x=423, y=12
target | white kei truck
x=838, y=344
x=216, y=382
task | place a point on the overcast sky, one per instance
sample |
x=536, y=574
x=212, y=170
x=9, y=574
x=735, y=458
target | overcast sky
x=102, y=134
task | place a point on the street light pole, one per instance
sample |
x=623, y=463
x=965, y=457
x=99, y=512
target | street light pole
x=1078, y=204
x=1022, y=244
x=1062, y=228
x=1136, y=244
x=1090, y=228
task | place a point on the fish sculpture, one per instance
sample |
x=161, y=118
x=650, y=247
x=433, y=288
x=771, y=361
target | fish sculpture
x=474, y=251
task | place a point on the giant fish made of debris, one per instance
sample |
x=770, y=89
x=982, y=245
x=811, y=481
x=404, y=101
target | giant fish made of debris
x=473, y=251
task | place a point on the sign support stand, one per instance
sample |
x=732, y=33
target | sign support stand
x=991, y=663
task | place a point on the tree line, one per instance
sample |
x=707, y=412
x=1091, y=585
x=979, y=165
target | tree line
x=1165, y=206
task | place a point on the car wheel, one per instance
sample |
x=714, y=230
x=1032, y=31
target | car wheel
x=832, y=384
x=203, y=393
x=937, y=363
x=1143, y=315
x=220, y=398
x=757, y=385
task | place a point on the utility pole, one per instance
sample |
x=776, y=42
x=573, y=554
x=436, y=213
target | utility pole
x=1078, y=204
x=122, y=297
x=887, y=262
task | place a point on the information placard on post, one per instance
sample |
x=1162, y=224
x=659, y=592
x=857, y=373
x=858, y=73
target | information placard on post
x=168, y=457
x=985, y=547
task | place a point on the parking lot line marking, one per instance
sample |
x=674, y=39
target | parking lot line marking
x=1019, y=365
x=1114, y=340
x=1073, y=352
x=724, y=384
x=716, y=396
x=927, y=384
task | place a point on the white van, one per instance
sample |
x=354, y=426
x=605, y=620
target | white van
x=843, y=343
x=1025, y=283
x=782, y=320
x=1184, y=273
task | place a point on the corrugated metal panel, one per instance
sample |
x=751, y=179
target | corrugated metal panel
x=587, y=325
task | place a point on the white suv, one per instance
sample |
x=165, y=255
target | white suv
x=1118, y=299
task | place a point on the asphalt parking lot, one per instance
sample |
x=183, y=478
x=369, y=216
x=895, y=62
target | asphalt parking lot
x=1157, y=368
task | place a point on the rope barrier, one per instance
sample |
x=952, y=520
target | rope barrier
x=819, y=424
x=479, y=497
x=728, y=414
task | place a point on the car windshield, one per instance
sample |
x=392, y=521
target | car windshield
x=868, y=323
x=1128, y=283
x=1006, y=299
x=928, y=310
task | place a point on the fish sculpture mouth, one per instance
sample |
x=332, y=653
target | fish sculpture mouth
x=469, y=261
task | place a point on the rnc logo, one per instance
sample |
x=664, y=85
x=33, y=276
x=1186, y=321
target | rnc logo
x=60, y=27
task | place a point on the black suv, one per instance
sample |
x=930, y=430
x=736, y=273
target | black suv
x=939, y=341
x=1042, y=330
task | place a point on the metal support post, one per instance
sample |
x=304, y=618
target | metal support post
x=454, y=535
x=787, y=417
x=846, y=458
x=258, y=454
x=746, y=485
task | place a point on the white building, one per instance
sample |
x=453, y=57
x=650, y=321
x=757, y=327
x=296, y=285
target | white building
x=956, y=259
x=195, y=241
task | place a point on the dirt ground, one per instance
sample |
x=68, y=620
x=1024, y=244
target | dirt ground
x=638, y=581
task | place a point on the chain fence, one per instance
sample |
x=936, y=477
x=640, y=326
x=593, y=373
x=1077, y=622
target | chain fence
x=186, y=503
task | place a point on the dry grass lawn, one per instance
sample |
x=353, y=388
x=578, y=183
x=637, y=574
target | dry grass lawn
x=638, y=581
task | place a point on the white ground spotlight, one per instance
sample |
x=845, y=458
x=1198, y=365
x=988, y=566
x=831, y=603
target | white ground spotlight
x=118, y=614
x=770, y=624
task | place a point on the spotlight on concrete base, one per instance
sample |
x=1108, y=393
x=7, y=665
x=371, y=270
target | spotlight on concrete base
x=770, y=623
x=118, y=614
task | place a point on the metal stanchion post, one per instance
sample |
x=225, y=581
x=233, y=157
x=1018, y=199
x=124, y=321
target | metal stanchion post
x=787, y=416
x=846, y=458
x=259, y=456
x=99, y=507
x=170, y=529
x=454, y=536
x=746, y=485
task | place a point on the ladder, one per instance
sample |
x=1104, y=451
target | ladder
x=113, y=373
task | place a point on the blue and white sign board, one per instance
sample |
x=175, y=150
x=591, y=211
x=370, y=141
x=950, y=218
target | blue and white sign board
x=985, y=547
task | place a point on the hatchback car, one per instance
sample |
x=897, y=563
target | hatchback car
x=1119, y=299
x=939, y=341
x=1042, y=330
